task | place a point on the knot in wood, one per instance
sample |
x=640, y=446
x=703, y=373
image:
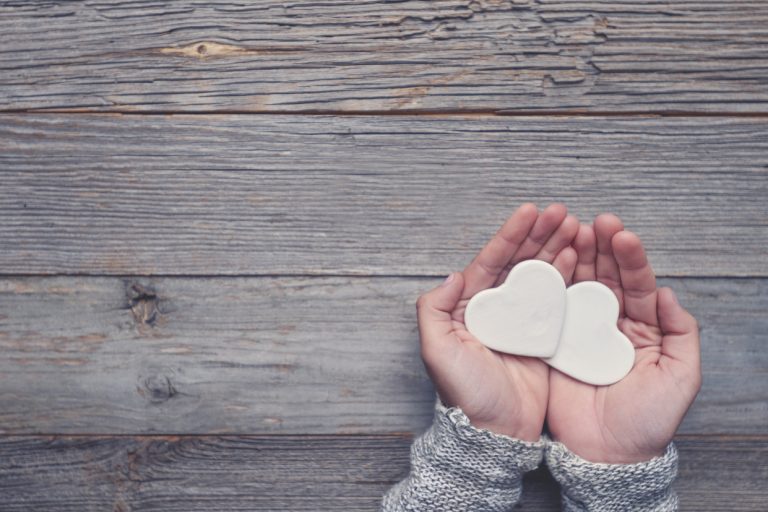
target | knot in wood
x=158, y=389
x=143, y=302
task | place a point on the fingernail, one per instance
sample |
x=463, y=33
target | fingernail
x=674, y=296
x=449, y=279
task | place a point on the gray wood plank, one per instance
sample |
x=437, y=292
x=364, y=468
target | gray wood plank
x=255, y=195
x=300, y=473
x=302, y=355
x=689, y=55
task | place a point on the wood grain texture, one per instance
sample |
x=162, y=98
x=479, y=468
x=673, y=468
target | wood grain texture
x=255, y=195
x=299, y=355
x=192, y=474
x=689, y=55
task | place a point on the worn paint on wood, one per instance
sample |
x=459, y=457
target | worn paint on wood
x=297, y=355
x=189, y=474
x=394, y=197
x=254, y=195
x=680, y=55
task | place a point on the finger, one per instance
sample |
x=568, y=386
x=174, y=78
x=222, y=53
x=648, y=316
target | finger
x=483, y=271
x=559, y=240
x=638, y=281
x=679, y=327
x=565, y=263
x=434, y=314
x=586, y=250
x=606, y=267
x=546, y=225
x=681, y=342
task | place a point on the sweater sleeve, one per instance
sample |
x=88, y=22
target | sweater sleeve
x=592, y=487
x=456, y=466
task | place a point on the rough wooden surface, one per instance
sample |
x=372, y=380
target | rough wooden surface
x=344, y=217
x=690, y=55
x=190, y=474
x=255, y=195
x=296, y=355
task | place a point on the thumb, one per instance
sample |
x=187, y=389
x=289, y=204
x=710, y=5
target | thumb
x=434, y=310
x=680, y=332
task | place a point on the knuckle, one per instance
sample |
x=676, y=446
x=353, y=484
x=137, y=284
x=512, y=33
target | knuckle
x=422, y=302
x=695, y=324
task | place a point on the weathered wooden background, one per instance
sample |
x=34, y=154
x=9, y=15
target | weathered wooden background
x=215, y=219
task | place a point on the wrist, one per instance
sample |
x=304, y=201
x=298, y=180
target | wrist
x=603, y=455
x=526, y=427
x=521, y=432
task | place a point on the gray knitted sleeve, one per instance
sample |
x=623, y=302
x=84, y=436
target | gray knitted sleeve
x=455, y=466
x=591, y=487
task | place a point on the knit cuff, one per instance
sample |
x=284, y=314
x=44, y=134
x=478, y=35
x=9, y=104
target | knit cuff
x=456, y=466
x=595, y=487
x=477, y=452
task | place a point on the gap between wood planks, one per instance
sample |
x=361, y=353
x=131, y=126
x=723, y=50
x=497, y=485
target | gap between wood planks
x=330, y=275
x=321, y=437
x=480, y=113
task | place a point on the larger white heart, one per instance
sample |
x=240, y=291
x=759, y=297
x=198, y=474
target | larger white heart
x=592, y=349
x=524, y=315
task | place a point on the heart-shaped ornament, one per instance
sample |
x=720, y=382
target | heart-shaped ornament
x=524, y=315
x=591, y=348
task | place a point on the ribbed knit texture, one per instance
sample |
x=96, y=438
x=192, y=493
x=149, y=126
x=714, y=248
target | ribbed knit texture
x=456, y=467
x=591, y=487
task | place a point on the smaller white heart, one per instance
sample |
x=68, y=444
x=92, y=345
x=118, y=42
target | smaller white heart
x=524, y=315
x=592, y=349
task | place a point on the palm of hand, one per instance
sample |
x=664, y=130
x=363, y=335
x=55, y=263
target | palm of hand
x=515, y=386
x=634, y=419
x=617, y=423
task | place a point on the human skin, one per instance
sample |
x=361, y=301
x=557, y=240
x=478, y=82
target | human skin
x=634, y=419
x=630, y=421
x=504, y=393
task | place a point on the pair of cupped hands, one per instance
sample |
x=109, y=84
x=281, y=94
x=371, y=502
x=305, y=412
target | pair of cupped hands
x=630, y=421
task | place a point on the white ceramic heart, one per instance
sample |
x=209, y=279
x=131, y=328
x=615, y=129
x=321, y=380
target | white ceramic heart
x=591, y=348
x=524, y=315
